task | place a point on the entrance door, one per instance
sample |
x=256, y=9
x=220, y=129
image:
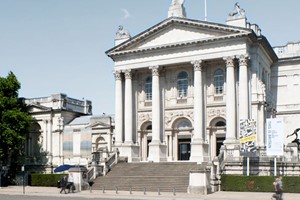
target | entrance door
x=184, y=147
x=220, y=141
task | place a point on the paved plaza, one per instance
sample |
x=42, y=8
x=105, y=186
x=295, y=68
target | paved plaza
x=98, y=194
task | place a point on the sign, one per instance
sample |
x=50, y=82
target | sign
x=274, y=136
x=248, y=135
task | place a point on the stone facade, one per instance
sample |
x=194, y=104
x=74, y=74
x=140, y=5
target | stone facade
x=183, y=86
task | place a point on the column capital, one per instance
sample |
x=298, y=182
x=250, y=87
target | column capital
x=117, y=74
x=243, y=59
x=128, y=74
x=197, y=65
x=155, y=70
x=229, y=61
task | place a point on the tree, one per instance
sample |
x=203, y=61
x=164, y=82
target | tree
x=15, y=121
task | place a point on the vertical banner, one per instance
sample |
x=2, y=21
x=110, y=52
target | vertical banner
x=275, y=137
x=248, y=135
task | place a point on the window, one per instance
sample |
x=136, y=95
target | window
x=86, y=145
x=184, y=124
x=219, y=81
x=148, y=88
x=182, y=84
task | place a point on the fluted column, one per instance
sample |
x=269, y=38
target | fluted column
x=119, y=109
x=198, y=101
x=155, y=105
x=128, y=107
x=230, y=101
x=243, y=87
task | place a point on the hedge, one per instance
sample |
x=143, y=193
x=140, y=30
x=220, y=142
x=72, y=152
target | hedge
x=291, y=184
x=45, y=179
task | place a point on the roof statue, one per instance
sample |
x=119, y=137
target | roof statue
x=177, y=2
x=177, y=9
x=237, y=12
x=122, y=33
x=296, y=140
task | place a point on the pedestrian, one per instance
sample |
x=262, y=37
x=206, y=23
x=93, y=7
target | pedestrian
x=278, y=189
x=70, y=184
x=63, y=184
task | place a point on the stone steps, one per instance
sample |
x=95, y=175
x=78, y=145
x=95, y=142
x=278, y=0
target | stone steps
x=164, y=177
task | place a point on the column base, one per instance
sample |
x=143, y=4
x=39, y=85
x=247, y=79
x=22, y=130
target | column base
x=157, y=152
x=232, y=149
x=131, y=151
x=199, y=151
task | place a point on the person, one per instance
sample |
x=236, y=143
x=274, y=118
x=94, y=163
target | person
x=70, y=184
x=63, y=184
x=278, y=188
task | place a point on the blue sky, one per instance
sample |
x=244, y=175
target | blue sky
x=58, y=46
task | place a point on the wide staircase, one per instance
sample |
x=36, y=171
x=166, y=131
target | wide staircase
x=164, y=177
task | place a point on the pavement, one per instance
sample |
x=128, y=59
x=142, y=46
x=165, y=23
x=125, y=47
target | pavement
x=99, y=194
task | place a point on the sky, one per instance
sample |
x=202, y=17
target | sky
x=58, y=46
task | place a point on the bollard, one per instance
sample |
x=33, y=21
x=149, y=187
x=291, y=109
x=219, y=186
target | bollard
x=116, y=189
x=130, y=190
x=144, y=190
x=174, y=194
x=103, y=189
x=158, y=191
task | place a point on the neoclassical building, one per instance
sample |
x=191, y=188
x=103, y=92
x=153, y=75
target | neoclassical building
x=65, y=132
x=185, y=87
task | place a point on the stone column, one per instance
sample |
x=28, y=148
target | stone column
x=119, y=109
x=243, y=87
x=198, y=101
x=198, y=152
x=155, y=105
x=128, y=107
x=157, y=151
x=230, y=101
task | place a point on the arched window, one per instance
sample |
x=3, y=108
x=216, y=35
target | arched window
x=184, y=123
x=219, y=81
x=148, y=88
x=182, y=84
x=220, y=123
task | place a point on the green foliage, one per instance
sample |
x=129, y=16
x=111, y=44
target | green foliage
x=14, y=120
x=258, y=183
x=45, y=179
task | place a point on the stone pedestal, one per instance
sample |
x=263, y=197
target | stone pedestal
x=199, y=151
x=157, y=152
x=131, y=151
x=199, y=181
x=232, y=150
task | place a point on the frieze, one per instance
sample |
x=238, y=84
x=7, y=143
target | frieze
x=216, y=112
x=171, y=116
x=143, y=117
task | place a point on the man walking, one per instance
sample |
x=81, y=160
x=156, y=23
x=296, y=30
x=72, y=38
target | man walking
x=63, y=184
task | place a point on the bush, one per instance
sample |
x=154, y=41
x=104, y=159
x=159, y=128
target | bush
x=258, y=183
x=45, y=179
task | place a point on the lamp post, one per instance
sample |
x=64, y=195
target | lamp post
x=23, y=170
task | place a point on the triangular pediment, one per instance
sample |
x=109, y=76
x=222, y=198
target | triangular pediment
x=98, y=125
x=176, y=32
